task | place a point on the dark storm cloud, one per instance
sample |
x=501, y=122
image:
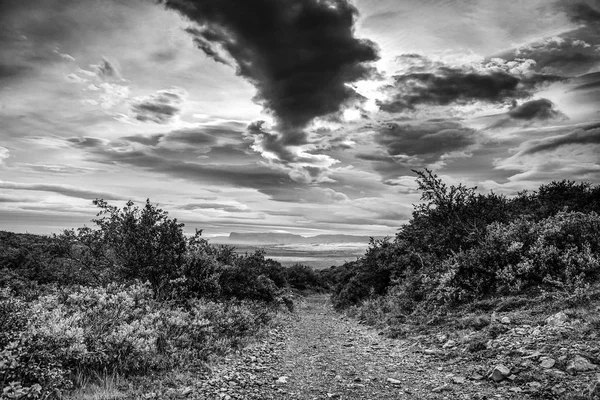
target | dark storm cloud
x=582, y=136
x=65, y=190
x=299, y=54
x=159, y=108
x=449, y=85
x=535, y=109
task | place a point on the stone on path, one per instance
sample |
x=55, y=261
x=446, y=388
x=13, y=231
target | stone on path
x=393, y=381
x=579, y=364
x=547, y=363
x=499, y=373
x=557, y=319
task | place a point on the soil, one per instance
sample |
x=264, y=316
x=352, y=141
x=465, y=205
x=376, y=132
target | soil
x=317, y=353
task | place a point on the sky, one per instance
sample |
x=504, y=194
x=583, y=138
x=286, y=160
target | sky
x=298, y=116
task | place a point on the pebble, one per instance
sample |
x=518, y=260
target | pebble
x=394, y=381
x=443, y=388
x=557, y=319
x=547, y=363
x=579, y=364
x=499, y=373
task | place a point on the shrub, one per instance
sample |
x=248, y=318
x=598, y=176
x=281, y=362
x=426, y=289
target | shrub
x=303, y=277
x=559, y=252
x=119, y=328
x=132, y=242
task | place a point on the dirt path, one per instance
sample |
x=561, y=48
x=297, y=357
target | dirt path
x=321, y=354
x=316, y=353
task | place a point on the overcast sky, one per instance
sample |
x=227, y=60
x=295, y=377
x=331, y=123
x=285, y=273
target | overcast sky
x=300, y=116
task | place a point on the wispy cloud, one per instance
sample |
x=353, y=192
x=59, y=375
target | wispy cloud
x=66, y=190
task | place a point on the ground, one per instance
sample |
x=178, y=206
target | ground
x=317, y=353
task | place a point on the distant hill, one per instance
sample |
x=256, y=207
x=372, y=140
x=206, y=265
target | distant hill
x=289, y=238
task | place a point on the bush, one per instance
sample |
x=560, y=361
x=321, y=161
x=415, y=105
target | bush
x=131, y=243
x=120, y=328
x=559, y=252
x=303, y=277
x=461, y=246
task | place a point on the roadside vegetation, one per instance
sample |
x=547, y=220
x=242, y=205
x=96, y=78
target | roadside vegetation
x=462, y=248
x=129, y=296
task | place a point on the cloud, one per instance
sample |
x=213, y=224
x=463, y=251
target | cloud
x=4, y=154
x=13, y=71
x=582, y=136
x=299, y=54
x=565, y=55
x=66, y=190
x=107, y=70
x=56, y=169
x=581, y=10
x=427, y=141
x=215, y=206
x=446, y=85
x=159, y=108
x=540, y=109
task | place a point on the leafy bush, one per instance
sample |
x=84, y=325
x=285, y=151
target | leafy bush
x=559, y=252
x=462, y=246
x=303, y=277
x=135, y=243
x=121, y=329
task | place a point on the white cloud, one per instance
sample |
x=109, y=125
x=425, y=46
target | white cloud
x=4, y=154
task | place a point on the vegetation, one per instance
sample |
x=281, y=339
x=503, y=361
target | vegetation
x=133, y=295
x=461, y=246
x=128, y=296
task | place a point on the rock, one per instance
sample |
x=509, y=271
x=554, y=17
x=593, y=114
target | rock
x=476, y=377
x=282, y=380
x=547, y=363
x=185, y=391
x=443, y=388
x=594, y=389
x=557, y=390
x=393, y=381
x=535, y=354
x=516, y=389
x=459, y=380
x=557, y=319
x=579, y=364
x=499, y=373
x=505, y=320
x=449, y=343
x=534, y=386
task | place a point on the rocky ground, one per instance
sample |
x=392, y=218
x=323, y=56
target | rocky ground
x=317, y=353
